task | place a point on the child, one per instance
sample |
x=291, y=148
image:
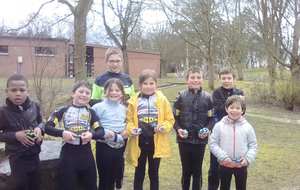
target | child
x=21, y=129
x=219, y=97
x=233, y=142
x=109, y=154
x=114, y=62
x=149, y=122
x=193, y=114
x=80, y=125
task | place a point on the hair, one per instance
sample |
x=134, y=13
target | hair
x=112, y=51
x=236, y=99
x=81, y=83
x=108, y=84
x=226, y=72
x=15, y=77
x=193, y=69
x=147, y=73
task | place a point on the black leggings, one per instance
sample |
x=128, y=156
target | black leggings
x=110, y=164
x=213, y=173
x=240, y=175
x=191, y=156
x=77, y=168
x=153, y=167
x=25, y=172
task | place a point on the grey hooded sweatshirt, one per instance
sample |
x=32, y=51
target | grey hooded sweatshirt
x=233, y=139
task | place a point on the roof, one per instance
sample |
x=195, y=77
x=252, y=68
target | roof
x=34, y=38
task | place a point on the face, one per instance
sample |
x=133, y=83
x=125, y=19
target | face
x=234, y=111
x=114, y=93
x=17, y=92
x=115, y=63
x=148, y=87
x=227, y=80
x=81, y=96
x=194, y=80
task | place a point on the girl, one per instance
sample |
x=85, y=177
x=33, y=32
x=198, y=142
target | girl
x=233, y=142
x=109, y=153
x=79, y=125
x=149, y=122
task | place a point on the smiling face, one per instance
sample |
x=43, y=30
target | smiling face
x=194, y=80
x=148, y=86
x=114, y=93
x=234, y=111
x=227, y=80
x=114, y=63
x=17, y=92
x=81, y=96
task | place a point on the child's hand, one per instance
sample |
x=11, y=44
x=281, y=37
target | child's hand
x=124, y=134
x=203, y=136
x=86, y=137
x=22, y=138
x=136, y=131
x=38, y=133
x=159, y=129
x=228, y=163
x=68, y=136
x=244, y=162
x=182, y=133
x=109, y=134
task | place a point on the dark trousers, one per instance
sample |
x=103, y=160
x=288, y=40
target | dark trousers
x=191, y=156
x=25, y=172
x=110, y=164
x=213, y=173
x=240, y=175
x=153, y=167
x=77, y=168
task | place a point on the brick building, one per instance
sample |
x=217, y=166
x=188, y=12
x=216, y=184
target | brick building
x=53, y=57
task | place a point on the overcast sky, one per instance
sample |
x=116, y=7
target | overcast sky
x=14, y=12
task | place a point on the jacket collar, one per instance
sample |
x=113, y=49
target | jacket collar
x=18, y=108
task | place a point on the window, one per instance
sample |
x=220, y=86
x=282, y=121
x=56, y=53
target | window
x=3, y=50
x=44, y=51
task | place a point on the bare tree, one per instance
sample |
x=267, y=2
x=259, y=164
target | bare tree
x=80, y=12
x=196, y=22
x=128, y=15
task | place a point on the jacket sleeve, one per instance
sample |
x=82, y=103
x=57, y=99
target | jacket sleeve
x=176, y=112
x=218, y=104
x=5, y=135
x=210, y=113
x=252, y=146
x=130, y=117
x=214, y=144
x=168, y=121
x=53, y=123
x=39, y=119
x=97, y=92
x=97, y=129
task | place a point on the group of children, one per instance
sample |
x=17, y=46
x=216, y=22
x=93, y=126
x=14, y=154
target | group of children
x=141, y=125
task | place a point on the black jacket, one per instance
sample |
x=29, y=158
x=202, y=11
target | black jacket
x=219, y=98
x=192, y=111
x=15, y=118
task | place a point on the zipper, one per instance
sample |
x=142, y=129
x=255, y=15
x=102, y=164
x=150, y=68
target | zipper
x=233, y=141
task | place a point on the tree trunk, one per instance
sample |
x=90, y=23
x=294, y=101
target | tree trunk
x=79, y=46
x=125, y=58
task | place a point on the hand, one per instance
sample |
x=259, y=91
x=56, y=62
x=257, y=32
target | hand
x=109, y=134
x=135, y=131
x=203, y=135
x=22, y=138
x=86, y=137
x=244, y=162
x=181, y=133
x=159, y=129
x=68, y=136
x=38, y=133
x=228, y=163
x=124, y=134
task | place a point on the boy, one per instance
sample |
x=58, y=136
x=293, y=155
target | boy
x=21, y=130
x=219, y=98
x=193, y=114
x=149, y=123
x=233, y=142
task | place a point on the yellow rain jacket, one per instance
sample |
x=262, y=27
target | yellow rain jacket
x=162, y=146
